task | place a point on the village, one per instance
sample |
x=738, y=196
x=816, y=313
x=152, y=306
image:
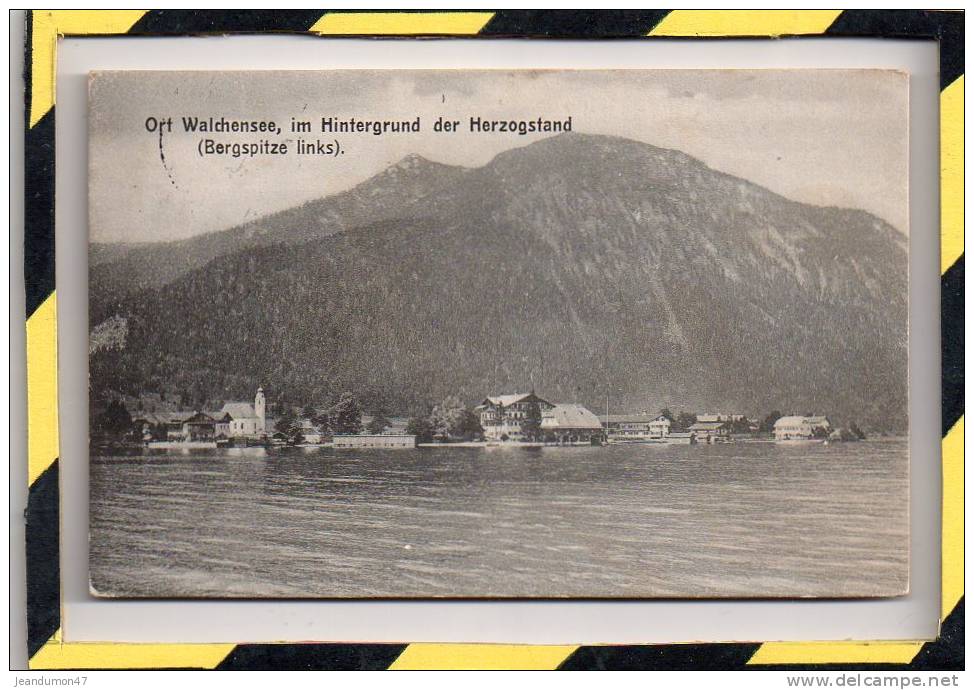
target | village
x=520, y=419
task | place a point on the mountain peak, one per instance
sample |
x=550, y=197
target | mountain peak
x=413, y=167
x=413, y=160
x=562, y=149
x=584, y=140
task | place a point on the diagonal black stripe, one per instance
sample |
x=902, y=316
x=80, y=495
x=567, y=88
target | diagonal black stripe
x=574, y=23
x=219, y=21
x=39, y=211
x=952, y=345
x=951, y=48
x=43, y=569
x=311, y=657
x=948, y=27
x=670, y=657
x=946, y=653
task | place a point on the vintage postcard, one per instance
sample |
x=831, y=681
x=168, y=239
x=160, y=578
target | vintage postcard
x=470, y=333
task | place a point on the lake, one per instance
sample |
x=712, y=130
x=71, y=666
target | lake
x=734, y=520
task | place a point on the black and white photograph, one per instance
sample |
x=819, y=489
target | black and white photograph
x=498, y=334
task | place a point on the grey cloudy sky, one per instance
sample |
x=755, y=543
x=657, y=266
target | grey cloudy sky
x=828, y=137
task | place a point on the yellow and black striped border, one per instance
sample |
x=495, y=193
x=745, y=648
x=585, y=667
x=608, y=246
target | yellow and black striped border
x=47, y=650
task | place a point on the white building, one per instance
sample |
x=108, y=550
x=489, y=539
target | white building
x=309, y=432
x=659, y=427
x=708, y=432
x=797, y=427
x=501, y=416
x=709, y=417
x=246, y=419
x=635, y=427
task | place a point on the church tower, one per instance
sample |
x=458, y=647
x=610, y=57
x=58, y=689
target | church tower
x=259, y=411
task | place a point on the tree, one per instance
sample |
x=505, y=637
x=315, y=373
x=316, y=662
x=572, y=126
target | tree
x=309, y=411
x=467, y=426
x=421, y=428
x=114, y=420
x=499, y=413
x=322, y=420
x=767, y=424
x=446, y=415
x=285, y=423
x=665, y=412
x=346, y=415
x=378, y=424
x=531, y=424
x=684, y=420
x=740, y=426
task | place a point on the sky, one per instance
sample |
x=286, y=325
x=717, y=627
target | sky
x=825, y=137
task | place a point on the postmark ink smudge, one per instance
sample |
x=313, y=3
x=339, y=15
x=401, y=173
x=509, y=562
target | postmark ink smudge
x=162, y=157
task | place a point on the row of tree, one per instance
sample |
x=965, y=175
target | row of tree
x=682, y=421
x=449, y=420
x=344, y=416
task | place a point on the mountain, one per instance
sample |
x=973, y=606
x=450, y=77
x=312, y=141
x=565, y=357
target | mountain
x=583, y=266
x=117, y=268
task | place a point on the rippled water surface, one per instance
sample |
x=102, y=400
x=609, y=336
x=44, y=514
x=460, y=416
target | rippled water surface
x=744, y=519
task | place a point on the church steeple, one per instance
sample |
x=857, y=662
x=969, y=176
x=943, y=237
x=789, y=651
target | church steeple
x=259, y=405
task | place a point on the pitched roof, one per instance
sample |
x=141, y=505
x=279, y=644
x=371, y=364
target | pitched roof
x=506, y=400
x=239, y=410
x=707, y=426
x=161, y=417
x=792, y=420
x=218, y=415
x=569, y=417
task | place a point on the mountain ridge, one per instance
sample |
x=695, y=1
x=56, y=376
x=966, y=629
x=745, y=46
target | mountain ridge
x=122, y=267
x=634, y=272
x=109, y=250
